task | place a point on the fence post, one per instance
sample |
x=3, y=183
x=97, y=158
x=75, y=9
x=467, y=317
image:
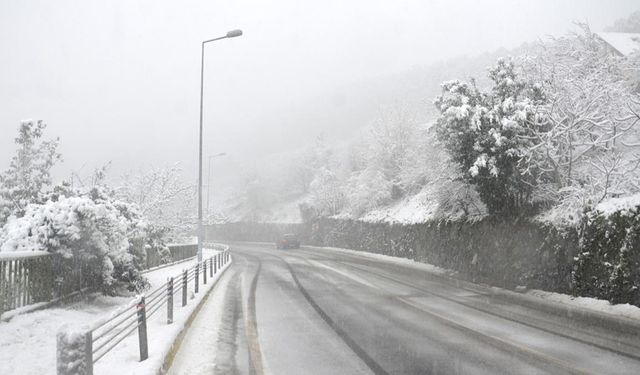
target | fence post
x=170, y=301
x=204, y=272
x=211, y=267
x=74, y=352
x=197, y=278
x=215, y=264
x=184, y=287
x=142, y=330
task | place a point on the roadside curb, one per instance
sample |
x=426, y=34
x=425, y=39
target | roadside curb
x=175, y=346
x=620, y=323
x=593, y=317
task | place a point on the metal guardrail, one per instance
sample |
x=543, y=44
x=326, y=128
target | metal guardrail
x=78, y=351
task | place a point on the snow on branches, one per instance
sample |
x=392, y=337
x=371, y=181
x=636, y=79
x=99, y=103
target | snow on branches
x=589, y=152
x=489, y=133
x=103, y=234
x=29, y=170
x=163, y=198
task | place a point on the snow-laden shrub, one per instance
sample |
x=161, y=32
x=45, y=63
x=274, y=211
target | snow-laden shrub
x=156, y=243
x=488, y=134
x=105, y=236
x=608, y=263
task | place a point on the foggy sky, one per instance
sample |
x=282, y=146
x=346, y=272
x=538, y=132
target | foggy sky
x=118, y=80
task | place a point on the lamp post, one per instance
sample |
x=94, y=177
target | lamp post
x=230, y=34
x=209, y=177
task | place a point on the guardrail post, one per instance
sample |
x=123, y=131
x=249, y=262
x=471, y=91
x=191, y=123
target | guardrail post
x=74, y=352
x=197, y=279
x=184, y=287
x=142, y=330
x=204, y=272
x=170, y=301
x=215, y=264
x=210, y=267
x=88, y=352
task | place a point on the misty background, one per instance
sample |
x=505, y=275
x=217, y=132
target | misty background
x=118, y=81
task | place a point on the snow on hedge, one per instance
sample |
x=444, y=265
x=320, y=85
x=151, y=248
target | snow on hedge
x=100, y=232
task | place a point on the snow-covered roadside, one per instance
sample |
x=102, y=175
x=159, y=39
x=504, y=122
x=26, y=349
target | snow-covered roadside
x=593, y=304
x=28, y=342
x=586, y=303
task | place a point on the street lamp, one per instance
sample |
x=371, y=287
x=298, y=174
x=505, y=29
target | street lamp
x=209, y=177
x=230, y=34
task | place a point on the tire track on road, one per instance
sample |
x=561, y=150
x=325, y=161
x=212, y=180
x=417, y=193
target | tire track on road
x=344, y=336
x=256, y=363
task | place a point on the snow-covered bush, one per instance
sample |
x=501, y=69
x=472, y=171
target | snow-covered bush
x=608, y=263
x=156, y=242
x=489, y=134
x=106, y=236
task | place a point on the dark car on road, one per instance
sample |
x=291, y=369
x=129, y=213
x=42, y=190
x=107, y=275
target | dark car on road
x=288, y=241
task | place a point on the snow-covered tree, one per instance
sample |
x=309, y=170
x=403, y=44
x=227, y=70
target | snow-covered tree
x=385, y=163
x=326, y=195
x=590, y=150
x=29, y=170
x=162, y=195
x=630, y=24
x=489, y=134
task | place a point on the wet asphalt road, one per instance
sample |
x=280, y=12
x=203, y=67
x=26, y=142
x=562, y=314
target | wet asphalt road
x=321, y=311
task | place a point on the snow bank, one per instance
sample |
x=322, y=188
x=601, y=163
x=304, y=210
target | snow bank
x=593, y=304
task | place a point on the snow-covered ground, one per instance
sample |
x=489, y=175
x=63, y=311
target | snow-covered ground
x=413, y=209
x=28, y=341
x=593, y=304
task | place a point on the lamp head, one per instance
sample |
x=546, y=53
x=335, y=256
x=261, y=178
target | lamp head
x=234, y=33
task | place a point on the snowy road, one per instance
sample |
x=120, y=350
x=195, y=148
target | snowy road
x=321, y=311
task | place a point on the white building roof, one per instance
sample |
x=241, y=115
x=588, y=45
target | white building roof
x=622, y=43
